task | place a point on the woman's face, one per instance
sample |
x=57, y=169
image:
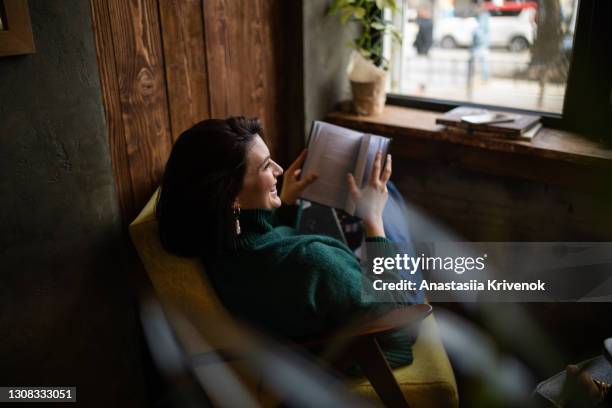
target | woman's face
x=259, y=185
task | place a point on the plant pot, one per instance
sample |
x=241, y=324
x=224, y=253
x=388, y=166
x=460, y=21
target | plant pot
x=369, y=97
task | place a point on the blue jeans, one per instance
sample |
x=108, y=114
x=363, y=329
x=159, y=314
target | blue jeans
x=397, y=229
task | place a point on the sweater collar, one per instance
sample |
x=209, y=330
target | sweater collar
x=253, y=223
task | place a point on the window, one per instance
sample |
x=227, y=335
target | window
x=514, y=54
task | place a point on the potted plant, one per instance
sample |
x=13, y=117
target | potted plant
x=367, y=67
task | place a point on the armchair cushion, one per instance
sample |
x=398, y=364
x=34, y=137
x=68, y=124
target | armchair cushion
x=180, y=283
x=429, y=381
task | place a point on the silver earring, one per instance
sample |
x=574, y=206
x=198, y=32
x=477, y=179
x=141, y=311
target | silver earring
x=237, y=220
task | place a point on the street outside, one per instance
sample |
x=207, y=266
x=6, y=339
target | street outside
x=443, y=74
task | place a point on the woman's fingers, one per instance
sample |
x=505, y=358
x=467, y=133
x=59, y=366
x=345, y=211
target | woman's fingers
x=386, y=174
x=352, y=185
x=297, y=163
x=375, y=175
x=307, y=180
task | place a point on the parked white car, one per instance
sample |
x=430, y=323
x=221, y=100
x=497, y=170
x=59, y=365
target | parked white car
x=514, y=32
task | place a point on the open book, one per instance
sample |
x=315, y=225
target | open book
x=334, y=151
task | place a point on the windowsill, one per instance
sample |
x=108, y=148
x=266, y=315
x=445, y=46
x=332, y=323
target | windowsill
x=554, y=156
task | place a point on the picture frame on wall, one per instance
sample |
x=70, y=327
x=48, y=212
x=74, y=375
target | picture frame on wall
x=15, y=28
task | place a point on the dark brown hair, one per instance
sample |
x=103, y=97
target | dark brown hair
x=203, y=176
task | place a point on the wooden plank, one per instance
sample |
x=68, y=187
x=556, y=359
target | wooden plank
x=243, y=74
x=549, y=143
x=234, y=48
x=287, y=54
x=560, y=158
x=574, y=176
x=372, y=361
x=476, y=207
x=185, y=63
x=266, y=92
x=218, y=55
x=142, y=92
x=112, y=104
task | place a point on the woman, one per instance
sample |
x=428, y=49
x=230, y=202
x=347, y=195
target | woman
x=219, y=201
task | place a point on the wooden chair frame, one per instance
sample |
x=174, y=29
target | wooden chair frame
x=363, y=347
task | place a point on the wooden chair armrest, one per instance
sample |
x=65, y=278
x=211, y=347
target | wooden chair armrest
x=365, y=350
x=391, y=321
x=363, y=347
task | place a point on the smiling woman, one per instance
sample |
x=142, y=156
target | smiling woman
x=219, y=202
x=202, y=181
x=259, y=187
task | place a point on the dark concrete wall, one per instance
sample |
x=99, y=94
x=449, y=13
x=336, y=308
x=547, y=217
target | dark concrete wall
x=66, y=309
x=326, y=56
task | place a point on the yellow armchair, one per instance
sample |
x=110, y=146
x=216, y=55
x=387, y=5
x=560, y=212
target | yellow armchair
x=180, y=283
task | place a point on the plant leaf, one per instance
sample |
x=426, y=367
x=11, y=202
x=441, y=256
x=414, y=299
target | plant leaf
x=359, y=13
x=397, y=36
x=345, y=14
x=391, y=4
x=380, y=4
x=378, y=26
x=333, y=8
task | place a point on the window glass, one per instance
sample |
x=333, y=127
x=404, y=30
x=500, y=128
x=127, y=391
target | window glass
x=505, y=53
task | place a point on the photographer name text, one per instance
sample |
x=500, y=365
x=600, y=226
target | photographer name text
x=493, y=285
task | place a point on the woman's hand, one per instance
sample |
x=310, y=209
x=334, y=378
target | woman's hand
x=372, y=198
x=292, y=184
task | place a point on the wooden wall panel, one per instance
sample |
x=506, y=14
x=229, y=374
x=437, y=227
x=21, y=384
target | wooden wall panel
x=142, y=90
x=236, y=72
x=185, y=62
x=247, y=57
x=166, y=64
x=288, y=76
x=133, y=82
x=110, y=96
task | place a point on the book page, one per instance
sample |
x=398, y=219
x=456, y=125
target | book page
x=376, y=143
x=332, y=152
x=360, y=168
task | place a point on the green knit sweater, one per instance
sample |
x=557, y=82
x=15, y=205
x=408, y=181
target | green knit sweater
x=295, y=285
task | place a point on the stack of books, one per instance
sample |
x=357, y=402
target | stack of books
x=486, y=123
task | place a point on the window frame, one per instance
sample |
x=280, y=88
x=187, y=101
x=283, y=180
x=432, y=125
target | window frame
x=16, y=38
x=587, y=100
